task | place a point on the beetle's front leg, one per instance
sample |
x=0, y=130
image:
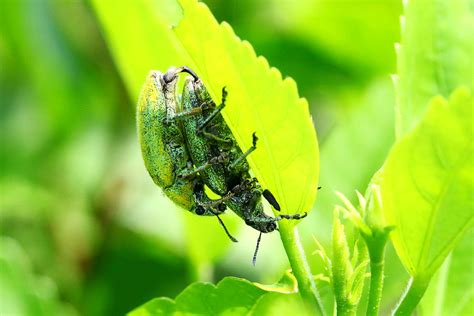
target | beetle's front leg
x=206, y=206
x=192, y=112
x=278, y=218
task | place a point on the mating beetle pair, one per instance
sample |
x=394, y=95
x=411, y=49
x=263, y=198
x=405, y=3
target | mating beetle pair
x=186, y=144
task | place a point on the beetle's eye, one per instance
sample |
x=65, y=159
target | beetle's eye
x=170, y=75
x=200, y=210
x=271, y=227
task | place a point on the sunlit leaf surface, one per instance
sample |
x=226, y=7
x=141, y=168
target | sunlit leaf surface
x=428, y=184
x=287, y=159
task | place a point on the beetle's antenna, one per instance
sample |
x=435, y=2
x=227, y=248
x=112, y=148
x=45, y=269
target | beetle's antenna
x=254, y=259
x=225, y=228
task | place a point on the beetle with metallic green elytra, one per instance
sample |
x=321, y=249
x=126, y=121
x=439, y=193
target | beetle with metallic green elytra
x=164, y=149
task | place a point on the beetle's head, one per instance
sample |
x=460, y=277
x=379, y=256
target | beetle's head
x=248, y=205
x=264, y=227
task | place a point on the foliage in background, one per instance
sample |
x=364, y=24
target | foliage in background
x=428, y=178
x=99, y=238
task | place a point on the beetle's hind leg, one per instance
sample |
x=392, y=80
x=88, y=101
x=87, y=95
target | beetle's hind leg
x=219, y=203
x=206, y=206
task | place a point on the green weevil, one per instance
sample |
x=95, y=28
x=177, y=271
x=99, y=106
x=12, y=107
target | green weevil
x=208, y=137
x=164, y=149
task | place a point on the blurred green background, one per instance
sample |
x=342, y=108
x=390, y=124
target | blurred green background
x=83, y=228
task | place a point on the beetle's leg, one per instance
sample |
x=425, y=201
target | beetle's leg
x=183, y=114
x=216, y=111
x=222, y=158
x=218, y=206
x=294, y=216
x=248, y=152
x=191, y=112
x=206, y=206
x=217, y=138
x=278, y=218
x=219, y=203
x=245, y=185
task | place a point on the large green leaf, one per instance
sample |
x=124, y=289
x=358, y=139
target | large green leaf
x=277, y=304
x=287, y=160
x=435, y=55
x=428, y=184
x=231, y=296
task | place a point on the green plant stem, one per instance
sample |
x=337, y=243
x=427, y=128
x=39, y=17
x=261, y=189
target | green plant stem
x=376, y=246
x=411, y=297
x=346, y=310
x=300, y=267
x=376, y=286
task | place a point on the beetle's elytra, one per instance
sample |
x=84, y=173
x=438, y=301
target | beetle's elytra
x=164, y=149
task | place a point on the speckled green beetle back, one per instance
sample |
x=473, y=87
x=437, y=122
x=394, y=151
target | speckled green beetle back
x=162, y=144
